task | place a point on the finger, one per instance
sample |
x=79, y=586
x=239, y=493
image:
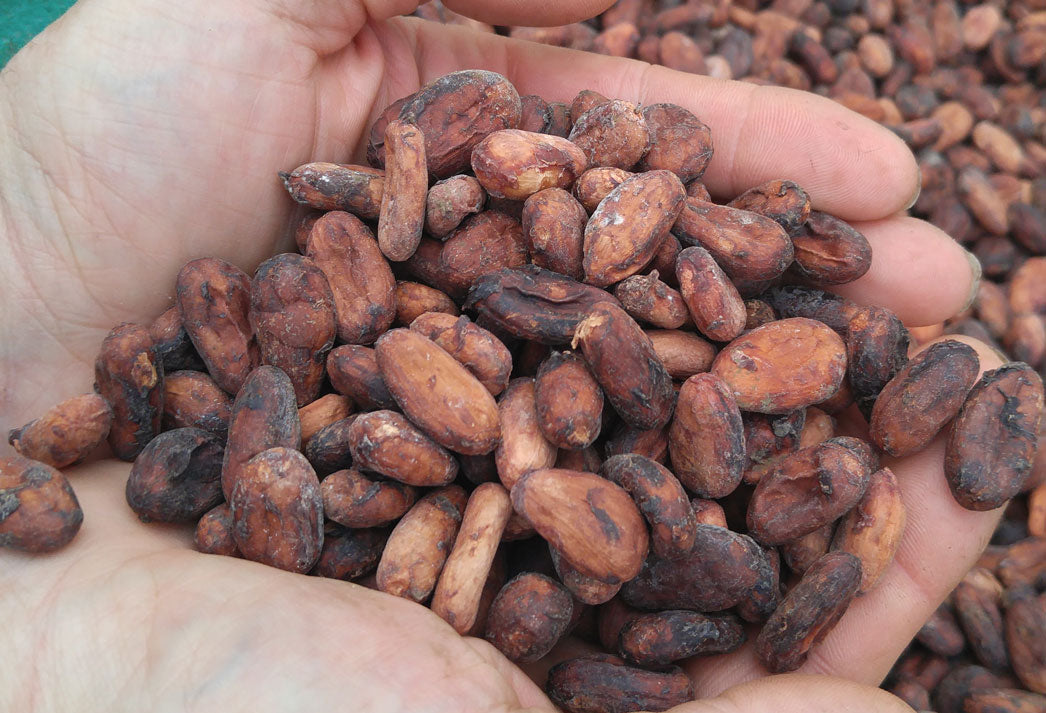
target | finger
x=528, y=12
x=328, y=25
x=850, y=165
x=917, y=271
x=528, y=689
x=796, y=693
x=940, y=543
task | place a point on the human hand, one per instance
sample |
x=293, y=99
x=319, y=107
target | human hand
x=136, y=136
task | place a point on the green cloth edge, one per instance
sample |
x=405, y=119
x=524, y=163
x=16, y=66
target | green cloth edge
x=22, y=20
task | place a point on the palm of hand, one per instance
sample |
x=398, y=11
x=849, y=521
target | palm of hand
x=169, y=151
x=164, y=186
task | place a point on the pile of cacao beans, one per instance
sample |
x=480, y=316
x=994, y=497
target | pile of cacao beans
x=961, y=82
x=639, y=416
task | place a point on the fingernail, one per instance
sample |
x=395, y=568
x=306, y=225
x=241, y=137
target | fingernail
x=918, y=190
x=975, y=270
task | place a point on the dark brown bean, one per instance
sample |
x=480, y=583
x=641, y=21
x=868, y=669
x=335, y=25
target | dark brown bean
x=39, y=511
x=277, y=510
x=569, y=402
x=809, y=612
x=706, y=438
x=353, y=499
x=922, y=397
x=528, y=617
x=177, y=477
x=720, y=570
x=129, y=376
x=661, y=499
x=623, y=360
x=992, y=444
x=263, y=416
x=292, y=314
x=604, y=684
x=661, y=638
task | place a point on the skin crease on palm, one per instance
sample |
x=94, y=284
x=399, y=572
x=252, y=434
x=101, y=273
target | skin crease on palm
x=138, y=134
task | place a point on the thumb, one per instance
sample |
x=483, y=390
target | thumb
x=799, y=693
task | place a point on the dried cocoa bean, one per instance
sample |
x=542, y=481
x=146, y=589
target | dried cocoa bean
x=177, y=477
x=683, y=353
x=277, y=510
x=128, y=375
x=263, y=416
x=354, y=372
x=992, y=444
x=414, y=299
x=437, y=393
x=352, y=499
x=321, y=413
x=627, y=226
x=711, y=298
x=460, y=585
x=593, y=523
x=529, y=615
x=350, y=554
x=624, y=362
x=746, y=245
x=387, y=443
x=720, y=570
x=292, y=314
x=193, y=399
x=614, y=133
x=554, y=227
x=829, y=251
x=805, y=491
x=402, y=215
x=872, y=530
x=214, y=299
x=568, y=400
x=523, y=446
x=360, y=280
x=661, y=500
x=478, y=350
x=516, y=164
x=604, y=684
x=213, y=535
x=65, y=433
x=648, y=299
x=585, y=589
x=679, y=142
x=328, y=449
x=876, y=349
x=457, y=111
x=782, y=366
x=706, y=438
x=977, y=606
x=420, y=543
x=595, y=184
x=333, y=186
x=449, y=202
x=173, y=347
x=941, y=633
x=39, y=511
x=661, y=638
x=485, y=242
x=922, y=397
x=783, y=202
x=809, y=612
x=1026, y=639
x=534, y=304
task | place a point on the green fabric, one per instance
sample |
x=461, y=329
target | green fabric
x=21, y=20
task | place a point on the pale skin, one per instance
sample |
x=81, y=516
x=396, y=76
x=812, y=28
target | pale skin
x=137, y=134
